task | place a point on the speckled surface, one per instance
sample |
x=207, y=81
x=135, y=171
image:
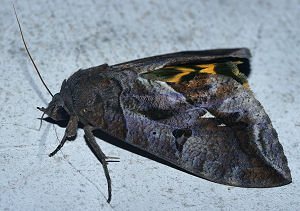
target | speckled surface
x=64, y=36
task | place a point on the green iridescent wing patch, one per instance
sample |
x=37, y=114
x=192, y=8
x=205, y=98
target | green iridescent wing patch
x=186, y=72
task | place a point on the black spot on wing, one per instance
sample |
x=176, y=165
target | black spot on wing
x=181, y=136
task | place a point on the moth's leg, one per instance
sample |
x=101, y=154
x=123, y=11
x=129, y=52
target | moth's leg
x=90, y=139
x=70, y=131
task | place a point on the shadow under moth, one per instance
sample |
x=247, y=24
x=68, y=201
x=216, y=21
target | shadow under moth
x=192, y=109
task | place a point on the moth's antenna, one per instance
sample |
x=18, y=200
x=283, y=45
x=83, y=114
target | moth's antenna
x=29, y=53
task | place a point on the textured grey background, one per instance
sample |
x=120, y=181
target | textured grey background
x=64, y=36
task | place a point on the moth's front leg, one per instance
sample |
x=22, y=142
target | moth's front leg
x=70, y=131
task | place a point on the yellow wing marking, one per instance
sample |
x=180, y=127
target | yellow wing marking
x=208, y=68
x=246, y=85
x=176, y=78
x=237, y=62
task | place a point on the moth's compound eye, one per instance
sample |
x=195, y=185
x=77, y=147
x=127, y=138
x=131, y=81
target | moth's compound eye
x=59, y=113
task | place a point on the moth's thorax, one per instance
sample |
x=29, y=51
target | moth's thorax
x=87, y=87
x=93, y=96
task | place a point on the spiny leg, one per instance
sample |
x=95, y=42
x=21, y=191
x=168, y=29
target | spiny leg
x=70, y=131
x=90, y=139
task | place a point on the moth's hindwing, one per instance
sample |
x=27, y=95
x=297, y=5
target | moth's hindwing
x=186, y=72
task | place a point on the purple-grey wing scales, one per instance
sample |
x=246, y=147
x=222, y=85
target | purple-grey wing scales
x=238, y=146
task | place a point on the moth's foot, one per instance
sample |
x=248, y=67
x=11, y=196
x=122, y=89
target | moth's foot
x=41, y=109
x=113, y=159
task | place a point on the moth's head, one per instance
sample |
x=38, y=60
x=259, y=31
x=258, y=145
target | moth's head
x=55, y=109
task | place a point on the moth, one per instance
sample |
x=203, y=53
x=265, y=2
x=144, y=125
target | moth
x=192, y=109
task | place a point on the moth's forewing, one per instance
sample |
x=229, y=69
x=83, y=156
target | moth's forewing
x=237, y=145
x=188, y=57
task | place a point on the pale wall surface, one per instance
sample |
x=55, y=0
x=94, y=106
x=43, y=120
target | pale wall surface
x=64, y=36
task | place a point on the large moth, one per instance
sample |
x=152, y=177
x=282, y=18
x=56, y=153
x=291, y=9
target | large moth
x=192, y=109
